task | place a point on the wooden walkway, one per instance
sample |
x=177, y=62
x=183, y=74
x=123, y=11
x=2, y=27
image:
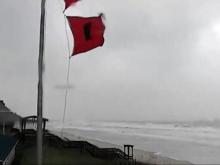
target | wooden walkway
x=83, y=146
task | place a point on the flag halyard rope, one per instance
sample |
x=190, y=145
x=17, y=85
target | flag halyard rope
x=67, y=78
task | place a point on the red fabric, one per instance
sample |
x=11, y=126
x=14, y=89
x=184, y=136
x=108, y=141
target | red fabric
x=68, y=3
x=87, y=33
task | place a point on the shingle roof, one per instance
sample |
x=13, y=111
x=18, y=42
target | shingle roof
x=6, y=145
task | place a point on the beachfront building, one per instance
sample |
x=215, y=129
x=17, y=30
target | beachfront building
x=7, y=149
x=8, y=120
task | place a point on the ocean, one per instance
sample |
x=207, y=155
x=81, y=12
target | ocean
x=197, y=144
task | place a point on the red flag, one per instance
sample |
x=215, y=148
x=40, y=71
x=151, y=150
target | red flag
x=87, y=33
x=68, y=3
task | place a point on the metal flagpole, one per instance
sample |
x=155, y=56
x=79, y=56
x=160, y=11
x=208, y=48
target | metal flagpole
x=40, y=87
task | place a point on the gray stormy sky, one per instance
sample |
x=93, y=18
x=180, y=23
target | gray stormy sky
x=160, y=60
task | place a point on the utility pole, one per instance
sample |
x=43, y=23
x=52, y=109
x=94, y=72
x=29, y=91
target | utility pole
x=40, y=87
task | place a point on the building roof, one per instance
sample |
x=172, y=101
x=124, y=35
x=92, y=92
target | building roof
x=3, y=107
x=6, y=145
x=6, y=115
x=33, y=118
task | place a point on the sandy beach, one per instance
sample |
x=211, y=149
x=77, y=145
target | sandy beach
x=198, y=145
x=139, y=155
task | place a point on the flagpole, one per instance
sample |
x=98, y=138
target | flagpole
x=40, y=87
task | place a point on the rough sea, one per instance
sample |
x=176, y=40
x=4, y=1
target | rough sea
x=197, y=144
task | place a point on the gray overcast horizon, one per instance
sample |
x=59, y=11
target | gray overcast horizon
x=160, y=60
